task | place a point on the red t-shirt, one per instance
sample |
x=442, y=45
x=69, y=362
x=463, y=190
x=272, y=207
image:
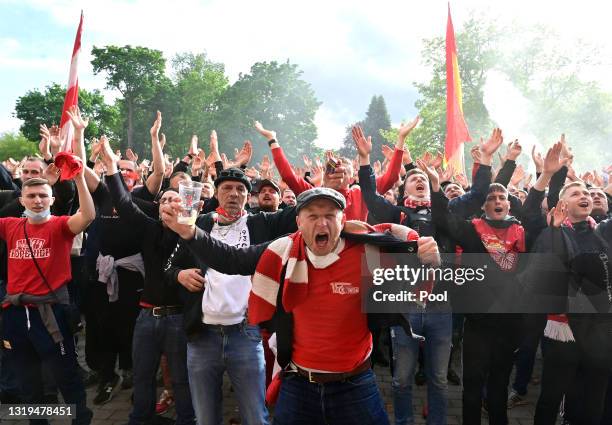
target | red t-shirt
x=51, y=243
x=330, y=331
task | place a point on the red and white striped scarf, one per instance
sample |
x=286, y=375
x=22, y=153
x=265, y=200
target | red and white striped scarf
x=413, y=203
x=557, y=325
x=291, y=251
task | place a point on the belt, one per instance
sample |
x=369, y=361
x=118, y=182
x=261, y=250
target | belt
x=224, y=328
x=165, y=310
x=326, y=378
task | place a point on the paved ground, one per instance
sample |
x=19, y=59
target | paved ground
x=116, y=412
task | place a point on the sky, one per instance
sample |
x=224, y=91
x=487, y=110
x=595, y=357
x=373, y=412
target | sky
x=348, y=50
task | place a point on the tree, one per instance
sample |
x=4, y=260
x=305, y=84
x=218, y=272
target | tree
x=348, y=148
x=198, y=84
x=377, y=119
x=274, y=94
x=136, y=72
x=478, y=52
x=16, y=146
x=36, y=107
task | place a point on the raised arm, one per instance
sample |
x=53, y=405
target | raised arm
x=211, y=252
x=295, y=183
x=121, y=197
x=383, y=210
x=387, y=180
x=87, y=212
x=156, y=178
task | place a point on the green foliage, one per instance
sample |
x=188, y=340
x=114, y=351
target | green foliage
x=377, y=119
x=477, y=52
x=16, y=146
x=192, y=101
x=36, y=107
x=274, y=94
x=136, y=72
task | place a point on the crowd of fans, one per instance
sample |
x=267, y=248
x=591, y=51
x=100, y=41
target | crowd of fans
x=266, y=285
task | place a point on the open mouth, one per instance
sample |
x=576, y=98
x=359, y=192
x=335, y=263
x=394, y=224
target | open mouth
x=498, y=210
x=321, y=239
x=583, y=204
x=420, y=187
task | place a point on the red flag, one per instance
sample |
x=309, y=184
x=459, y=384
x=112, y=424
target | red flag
x=72, y=93
x=456, y=129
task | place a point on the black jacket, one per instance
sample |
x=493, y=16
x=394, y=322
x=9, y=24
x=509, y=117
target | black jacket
x=156, y=241
x=263, y=227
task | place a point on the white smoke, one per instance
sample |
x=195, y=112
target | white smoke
x=510, y=110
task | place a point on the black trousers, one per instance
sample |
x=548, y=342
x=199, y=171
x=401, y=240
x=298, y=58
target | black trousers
x=110, y=326
x=566, y=370
x=488, y=357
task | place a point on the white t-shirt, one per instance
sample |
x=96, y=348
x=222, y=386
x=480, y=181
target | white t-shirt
x=226, y=296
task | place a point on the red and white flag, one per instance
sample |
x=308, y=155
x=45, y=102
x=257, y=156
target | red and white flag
x=72, y=93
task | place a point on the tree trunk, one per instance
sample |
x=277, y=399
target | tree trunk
x=130, y=129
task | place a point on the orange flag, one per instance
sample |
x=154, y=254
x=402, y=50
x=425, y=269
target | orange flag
x=456, y=129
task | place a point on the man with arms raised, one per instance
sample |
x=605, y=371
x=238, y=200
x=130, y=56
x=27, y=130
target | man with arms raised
x=35, y=319
x=324, y=342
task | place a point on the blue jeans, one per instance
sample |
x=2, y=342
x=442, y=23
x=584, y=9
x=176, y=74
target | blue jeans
x=152, y=337
x=355, y=401
x=437, y=330
x=31, y=346
x=237, y=349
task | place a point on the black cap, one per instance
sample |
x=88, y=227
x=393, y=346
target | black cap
x=267, y=182
x=233, y=174
x=310, y=195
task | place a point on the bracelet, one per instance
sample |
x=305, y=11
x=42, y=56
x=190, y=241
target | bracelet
x=271, y=141
x=191, y=155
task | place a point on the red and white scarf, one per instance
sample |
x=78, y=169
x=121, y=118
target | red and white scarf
x=415, y=203
x=557, y=325
x=291, y=251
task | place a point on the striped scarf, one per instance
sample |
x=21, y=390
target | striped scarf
x=290, y=251
x=557, y=325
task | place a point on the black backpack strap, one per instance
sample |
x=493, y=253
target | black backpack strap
x=25, y=233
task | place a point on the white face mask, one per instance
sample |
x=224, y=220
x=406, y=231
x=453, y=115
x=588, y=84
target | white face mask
x=37, y=216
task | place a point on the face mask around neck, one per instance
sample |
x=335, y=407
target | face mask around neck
x=34, y=216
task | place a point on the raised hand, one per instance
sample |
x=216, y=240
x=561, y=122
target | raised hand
x=447, y=174
x=193, y=146
x=437, y=161
x=587, y=177
x=162, y=141
x=462, y=180
x=537, y=159
x=387, y=152
x=54, y=139
x=598, y=180
x=432, y=174
x=78, y=121
x=552, y=162
x=252, y=173
x=307, y=162
x=131, y=156
x=514, y=150
x=557, y=215
x=566, y=153
x=268, y=134
x=45, y=144
x=364, y=146
x=109, y=158
x=489, y=147
x=405, y=129
x=155, y=128
x=214, y=143
x=243, y=157
x=51, y=174
x=475, y=152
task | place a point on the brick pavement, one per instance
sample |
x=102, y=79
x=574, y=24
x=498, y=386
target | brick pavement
x=116, y=412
